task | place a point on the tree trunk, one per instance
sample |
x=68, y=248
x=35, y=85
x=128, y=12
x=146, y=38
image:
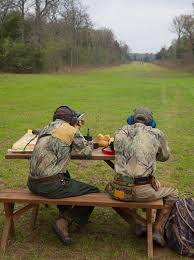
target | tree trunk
x=71, y=57
x=23, y=19
x=38, y=25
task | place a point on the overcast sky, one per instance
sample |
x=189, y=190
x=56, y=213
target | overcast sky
x=143, y=24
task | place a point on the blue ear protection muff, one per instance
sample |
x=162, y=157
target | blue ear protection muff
x=130, y=121
x=74, y=117
x=153, y=125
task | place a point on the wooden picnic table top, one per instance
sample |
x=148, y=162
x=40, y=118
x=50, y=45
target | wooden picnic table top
x=23, y=148
x=96, y=155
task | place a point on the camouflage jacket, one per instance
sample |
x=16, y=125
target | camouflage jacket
x=137, y=147
x=52, y=151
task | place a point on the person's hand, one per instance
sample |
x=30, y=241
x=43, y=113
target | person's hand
x=78, y=126
x=80, y=123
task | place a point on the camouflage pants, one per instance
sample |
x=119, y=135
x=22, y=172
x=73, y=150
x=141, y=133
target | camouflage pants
x=142, y=192
x=147, y=193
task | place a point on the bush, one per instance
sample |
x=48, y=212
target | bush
x=18, y=57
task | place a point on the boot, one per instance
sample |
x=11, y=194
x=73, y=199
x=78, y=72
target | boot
x=64, y=211
x=60, y=227
x=131, y=217
x=161, y=218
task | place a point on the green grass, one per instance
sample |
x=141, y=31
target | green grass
x=107, y=97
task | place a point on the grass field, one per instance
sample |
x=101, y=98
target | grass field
x=107, y=97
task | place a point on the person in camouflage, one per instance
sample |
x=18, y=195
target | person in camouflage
x=48, y=168
x=137, y=148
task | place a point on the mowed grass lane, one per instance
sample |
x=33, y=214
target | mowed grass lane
x=107, y=97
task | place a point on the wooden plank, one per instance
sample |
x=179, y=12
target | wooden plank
x=11, y=155
x=35, y=211
x=21, y=211
x=8, y=226
x=9, y=209
x=96, y=155
x=6, y=232
x=23, y=148
x=149, y=233
x=93, y=199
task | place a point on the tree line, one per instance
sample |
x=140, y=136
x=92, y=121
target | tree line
x=47, y=35
x=182, y=48
x=142, y=57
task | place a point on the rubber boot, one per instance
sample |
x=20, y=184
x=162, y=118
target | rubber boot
x=61, y=228
x=161, y=219
x=131, y=217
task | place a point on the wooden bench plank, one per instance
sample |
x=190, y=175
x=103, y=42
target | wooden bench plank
x=11, y=196
x=92, y=199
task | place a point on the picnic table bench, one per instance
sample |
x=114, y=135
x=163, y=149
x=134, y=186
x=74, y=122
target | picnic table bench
x=23, y=196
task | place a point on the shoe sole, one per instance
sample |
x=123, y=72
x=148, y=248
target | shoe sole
x=65, y=241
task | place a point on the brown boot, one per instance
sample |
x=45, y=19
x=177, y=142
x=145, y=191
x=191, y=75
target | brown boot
x=161, y=218
x=131, y=217
x=60, y=227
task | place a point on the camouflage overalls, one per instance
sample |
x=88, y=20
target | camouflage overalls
x=137, y=147
x=51, y=156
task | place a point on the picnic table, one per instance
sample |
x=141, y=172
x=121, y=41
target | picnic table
x=11, y=196
x=23, y=150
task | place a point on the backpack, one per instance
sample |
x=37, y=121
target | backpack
x=179, y=229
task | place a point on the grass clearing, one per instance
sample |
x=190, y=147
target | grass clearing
x=107, y=97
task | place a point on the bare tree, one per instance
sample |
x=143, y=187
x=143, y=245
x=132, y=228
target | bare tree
x=178, y=28
x=75, y=19
x=188, y=29
x=23, y=6
x=5, y=7
x=42, y=8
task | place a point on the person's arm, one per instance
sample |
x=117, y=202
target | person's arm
x=163, y=151
x=122, y=155
x=80, y=146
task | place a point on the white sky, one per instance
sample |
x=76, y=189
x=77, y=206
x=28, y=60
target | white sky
x=142, y=24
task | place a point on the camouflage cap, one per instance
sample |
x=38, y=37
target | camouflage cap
x=143, y=113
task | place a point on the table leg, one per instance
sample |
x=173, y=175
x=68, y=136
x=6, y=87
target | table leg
x=110, y=163
x=8, y=225
x=149, y=233
x=34, y=216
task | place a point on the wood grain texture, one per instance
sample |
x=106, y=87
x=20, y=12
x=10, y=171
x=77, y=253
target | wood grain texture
x=96, y=155
x=93, y=199
x=149, y=233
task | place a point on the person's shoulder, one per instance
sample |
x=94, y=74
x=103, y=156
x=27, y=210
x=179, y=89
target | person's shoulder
x=77, y=132
x=123, y=129
x=53, y=124
x=56, y=123
x=157, y=132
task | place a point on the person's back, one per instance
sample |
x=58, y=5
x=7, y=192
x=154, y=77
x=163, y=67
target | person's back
x=51, y=154
x=49, y=176
x=137, y=148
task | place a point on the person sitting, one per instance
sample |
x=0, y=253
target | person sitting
x=138, y=146
x=49, y=176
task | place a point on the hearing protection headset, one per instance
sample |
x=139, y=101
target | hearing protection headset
x=131, y=121
x=67, y=114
